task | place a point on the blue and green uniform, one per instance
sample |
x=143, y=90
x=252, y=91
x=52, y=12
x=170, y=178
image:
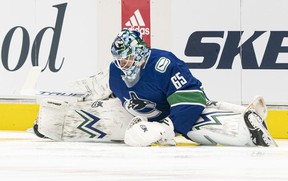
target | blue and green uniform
x=166, y=88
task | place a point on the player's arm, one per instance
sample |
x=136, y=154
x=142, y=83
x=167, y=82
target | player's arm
x=185, y=96
x=97, y=86
x=186, y=108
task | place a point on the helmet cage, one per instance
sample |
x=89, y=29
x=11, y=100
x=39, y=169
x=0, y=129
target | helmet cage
x=129, y=45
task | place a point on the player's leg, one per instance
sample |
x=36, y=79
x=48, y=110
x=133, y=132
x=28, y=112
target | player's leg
x=103, y=120
x=229, y=128
x=258, y=105
x=220, y=127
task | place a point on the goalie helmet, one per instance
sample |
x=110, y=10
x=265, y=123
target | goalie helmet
x=130, y=52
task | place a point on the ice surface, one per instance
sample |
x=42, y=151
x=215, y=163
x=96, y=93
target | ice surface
x=26, y=157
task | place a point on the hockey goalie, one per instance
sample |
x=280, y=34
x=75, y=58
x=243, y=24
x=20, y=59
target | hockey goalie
x=100, y=117
x=156, y=97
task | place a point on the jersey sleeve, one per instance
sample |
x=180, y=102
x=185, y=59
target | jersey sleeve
x=184, y=95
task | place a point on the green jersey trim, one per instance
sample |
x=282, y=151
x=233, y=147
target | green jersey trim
x=187, y=97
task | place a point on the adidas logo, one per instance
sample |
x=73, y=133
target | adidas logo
x=136, y=22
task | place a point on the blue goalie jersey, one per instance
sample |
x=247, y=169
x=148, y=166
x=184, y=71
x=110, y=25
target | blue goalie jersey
x=166, y=88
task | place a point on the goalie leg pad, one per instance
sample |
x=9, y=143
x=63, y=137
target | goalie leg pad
x=94, y=121
x=51, y=118
x=220, y=127
x=230, y=130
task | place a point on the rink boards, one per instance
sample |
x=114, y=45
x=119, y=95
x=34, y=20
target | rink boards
x=20, y=114
x=17, y=113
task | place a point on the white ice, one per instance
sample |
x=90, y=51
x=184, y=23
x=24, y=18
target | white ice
x=26, y=157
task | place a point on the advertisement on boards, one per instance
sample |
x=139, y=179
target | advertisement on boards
x=197, y=39
x=235, y=54
x=136, y=16
x=58, y=36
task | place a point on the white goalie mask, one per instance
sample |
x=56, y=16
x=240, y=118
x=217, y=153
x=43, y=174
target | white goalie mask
x=129, y=52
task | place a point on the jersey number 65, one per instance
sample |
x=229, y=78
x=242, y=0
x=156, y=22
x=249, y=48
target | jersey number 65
x=178, y=80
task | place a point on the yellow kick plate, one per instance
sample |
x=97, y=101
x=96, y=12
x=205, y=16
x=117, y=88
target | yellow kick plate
x=15, y=116
x=277, y=122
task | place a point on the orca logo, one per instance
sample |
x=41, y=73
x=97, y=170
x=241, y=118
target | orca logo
x=140, y=107
x=233, y=47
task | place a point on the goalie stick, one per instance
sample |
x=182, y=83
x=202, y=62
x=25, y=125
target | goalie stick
x=29, y=89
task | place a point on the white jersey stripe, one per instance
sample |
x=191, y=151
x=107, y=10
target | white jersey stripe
x=188, y=103
x=190, y=91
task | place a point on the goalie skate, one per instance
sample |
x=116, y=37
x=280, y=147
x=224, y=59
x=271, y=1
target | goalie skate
x=258, y=129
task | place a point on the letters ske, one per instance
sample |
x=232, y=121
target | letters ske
x=232, y=47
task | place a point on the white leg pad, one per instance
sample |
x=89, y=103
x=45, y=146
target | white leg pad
x=83, y=121
x=220, y=127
